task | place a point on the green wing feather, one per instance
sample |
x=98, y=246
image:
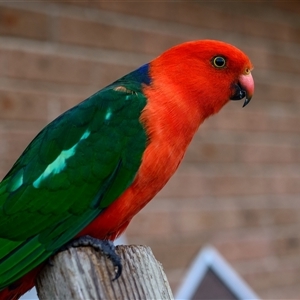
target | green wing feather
x=74, y=168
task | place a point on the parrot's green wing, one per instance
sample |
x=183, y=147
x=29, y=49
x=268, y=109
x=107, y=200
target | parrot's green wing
x=77, y=165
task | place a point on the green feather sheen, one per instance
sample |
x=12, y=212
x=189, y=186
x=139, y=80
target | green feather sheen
x=74, y=168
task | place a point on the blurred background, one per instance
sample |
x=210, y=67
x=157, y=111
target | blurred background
x=238, y=187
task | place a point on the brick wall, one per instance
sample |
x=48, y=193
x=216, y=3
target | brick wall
x=238, y=186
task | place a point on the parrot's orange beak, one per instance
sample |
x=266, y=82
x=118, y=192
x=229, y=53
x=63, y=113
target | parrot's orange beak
x=247, y=84
x=244, y=88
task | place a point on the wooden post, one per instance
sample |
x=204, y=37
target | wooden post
x=83, y=273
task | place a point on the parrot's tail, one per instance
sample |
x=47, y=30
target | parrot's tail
x=19, y=288
x=6, y=294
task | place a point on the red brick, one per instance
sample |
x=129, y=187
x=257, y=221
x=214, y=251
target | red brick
x=48, y=67
x=286, y=216
x=243, y=247
x=186, y=185
x=276, y=90
x=203, y=151
x=276, y=279
x=235, y=120
x=175, y=277
x=271, y=61
x=161, y=10
x=289, y=244
x=14, y=143
x=225, y=19
x=95, y=34
x=288, y=6
x=153, y=225
x=23, y=105
x=34, y=106
x=174, y=256
x=105, y=74
x=290, y=291
x=197, y=185
x=23, y=23
x=196, y=220
x=5, y=166
x=267, y=153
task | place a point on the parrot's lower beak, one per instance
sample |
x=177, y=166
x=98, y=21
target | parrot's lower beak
x=244, y=88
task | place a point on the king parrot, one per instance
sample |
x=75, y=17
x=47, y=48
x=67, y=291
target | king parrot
x=93, y=168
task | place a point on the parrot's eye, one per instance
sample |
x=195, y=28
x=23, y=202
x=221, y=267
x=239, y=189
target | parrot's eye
x=247, y=71
x=219, y=62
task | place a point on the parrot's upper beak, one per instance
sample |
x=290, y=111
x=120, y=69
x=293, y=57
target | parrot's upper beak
x=244, y=88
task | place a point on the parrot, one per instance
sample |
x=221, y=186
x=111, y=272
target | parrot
x=85, y=175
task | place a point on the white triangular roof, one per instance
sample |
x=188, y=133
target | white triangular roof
x=210, y=258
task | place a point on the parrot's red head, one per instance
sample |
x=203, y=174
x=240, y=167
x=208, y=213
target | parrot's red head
x=205, y=73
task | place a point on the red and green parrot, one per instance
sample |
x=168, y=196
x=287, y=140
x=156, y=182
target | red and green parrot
x=87, y=173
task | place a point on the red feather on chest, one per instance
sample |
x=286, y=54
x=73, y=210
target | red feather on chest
x=170, y=126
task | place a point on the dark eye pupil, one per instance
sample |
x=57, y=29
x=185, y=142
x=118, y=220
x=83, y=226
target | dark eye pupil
x=219, y=61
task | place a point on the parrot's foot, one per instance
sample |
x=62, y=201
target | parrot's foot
x=106, y=247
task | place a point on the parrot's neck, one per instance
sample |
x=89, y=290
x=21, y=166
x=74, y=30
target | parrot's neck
x=171, y=117
x=172, y=110
x=168, y=119
x=140, y=76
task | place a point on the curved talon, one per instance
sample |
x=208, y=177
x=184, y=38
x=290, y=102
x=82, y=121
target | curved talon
x=118, y=266
x=106, y=247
